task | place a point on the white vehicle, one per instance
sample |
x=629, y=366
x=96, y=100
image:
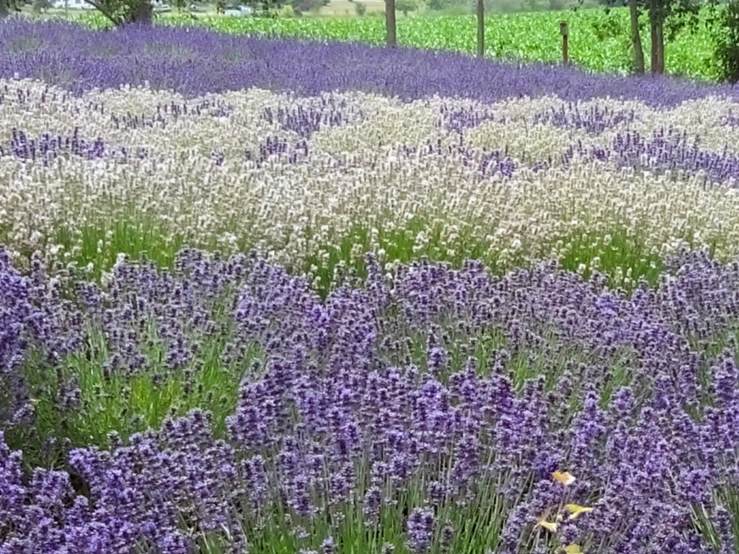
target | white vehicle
x=71, y=5
x=240, y=11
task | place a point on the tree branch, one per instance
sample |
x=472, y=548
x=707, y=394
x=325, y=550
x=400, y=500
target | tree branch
x=99, y=7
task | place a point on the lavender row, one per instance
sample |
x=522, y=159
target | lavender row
x=194, y=61
x=429, y=410
x=667, y=151
x=317, y=182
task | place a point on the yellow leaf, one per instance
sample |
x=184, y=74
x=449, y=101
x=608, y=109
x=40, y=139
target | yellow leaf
x=564, y=477
x=573, y=549
x=576, y=510
x=548, y=525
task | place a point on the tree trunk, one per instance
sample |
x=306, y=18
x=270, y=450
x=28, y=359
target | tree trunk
x=390, y=30
x=654, y=40
x=480, y=29
x=656, y=30
x=636, y=38
x=143, y=13
x=661, y=45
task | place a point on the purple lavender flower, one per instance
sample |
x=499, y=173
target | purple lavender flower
x=420, y=530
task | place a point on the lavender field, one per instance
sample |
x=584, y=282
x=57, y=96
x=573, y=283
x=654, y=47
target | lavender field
x=298, y=298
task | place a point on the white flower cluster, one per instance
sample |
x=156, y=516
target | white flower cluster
x=310, y=181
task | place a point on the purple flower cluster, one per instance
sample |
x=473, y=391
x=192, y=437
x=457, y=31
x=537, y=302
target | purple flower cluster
x=168, y=113
x=195, y=61
x=731, y=120
x=37, y=326
x=47, y=147
x=325, y=111
x=665, y=151
x=459, y=119
x=486, y=162
x=280, y=148
x=443, y=399
x=594, y=120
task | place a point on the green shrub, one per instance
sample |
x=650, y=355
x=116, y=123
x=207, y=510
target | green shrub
x=727, y=44
x=406, y=6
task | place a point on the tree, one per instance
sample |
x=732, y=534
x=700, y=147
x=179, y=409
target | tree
x=125, y=12
x=727, y=48
x=391, y=36
x=480, y=28
x=636, y=42
x=678, y=13
x=661, y=12
x=657, y=34
x=636, y=38
x=406, y=6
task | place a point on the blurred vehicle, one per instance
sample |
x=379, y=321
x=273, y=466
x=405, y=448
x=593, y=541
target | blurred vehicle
x=240, y=11
x=72, y=5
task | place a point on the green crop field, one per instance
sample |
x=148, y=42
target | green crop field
x=598, y=41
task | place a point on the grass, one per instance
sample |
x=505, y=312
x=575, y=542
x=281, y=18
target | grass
x=616, y=254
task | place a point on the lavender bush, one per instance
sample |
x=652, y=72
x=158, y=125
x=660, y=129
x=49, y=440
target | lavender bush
x=431, y=410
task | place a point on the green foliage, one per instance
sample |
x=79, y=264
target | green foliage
x=617, y=255
x=283, y=9
x=610, y=26
x=406, y=6
x=6, y=6
x=438, y=5
x=727, y=44
x=40, y=6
